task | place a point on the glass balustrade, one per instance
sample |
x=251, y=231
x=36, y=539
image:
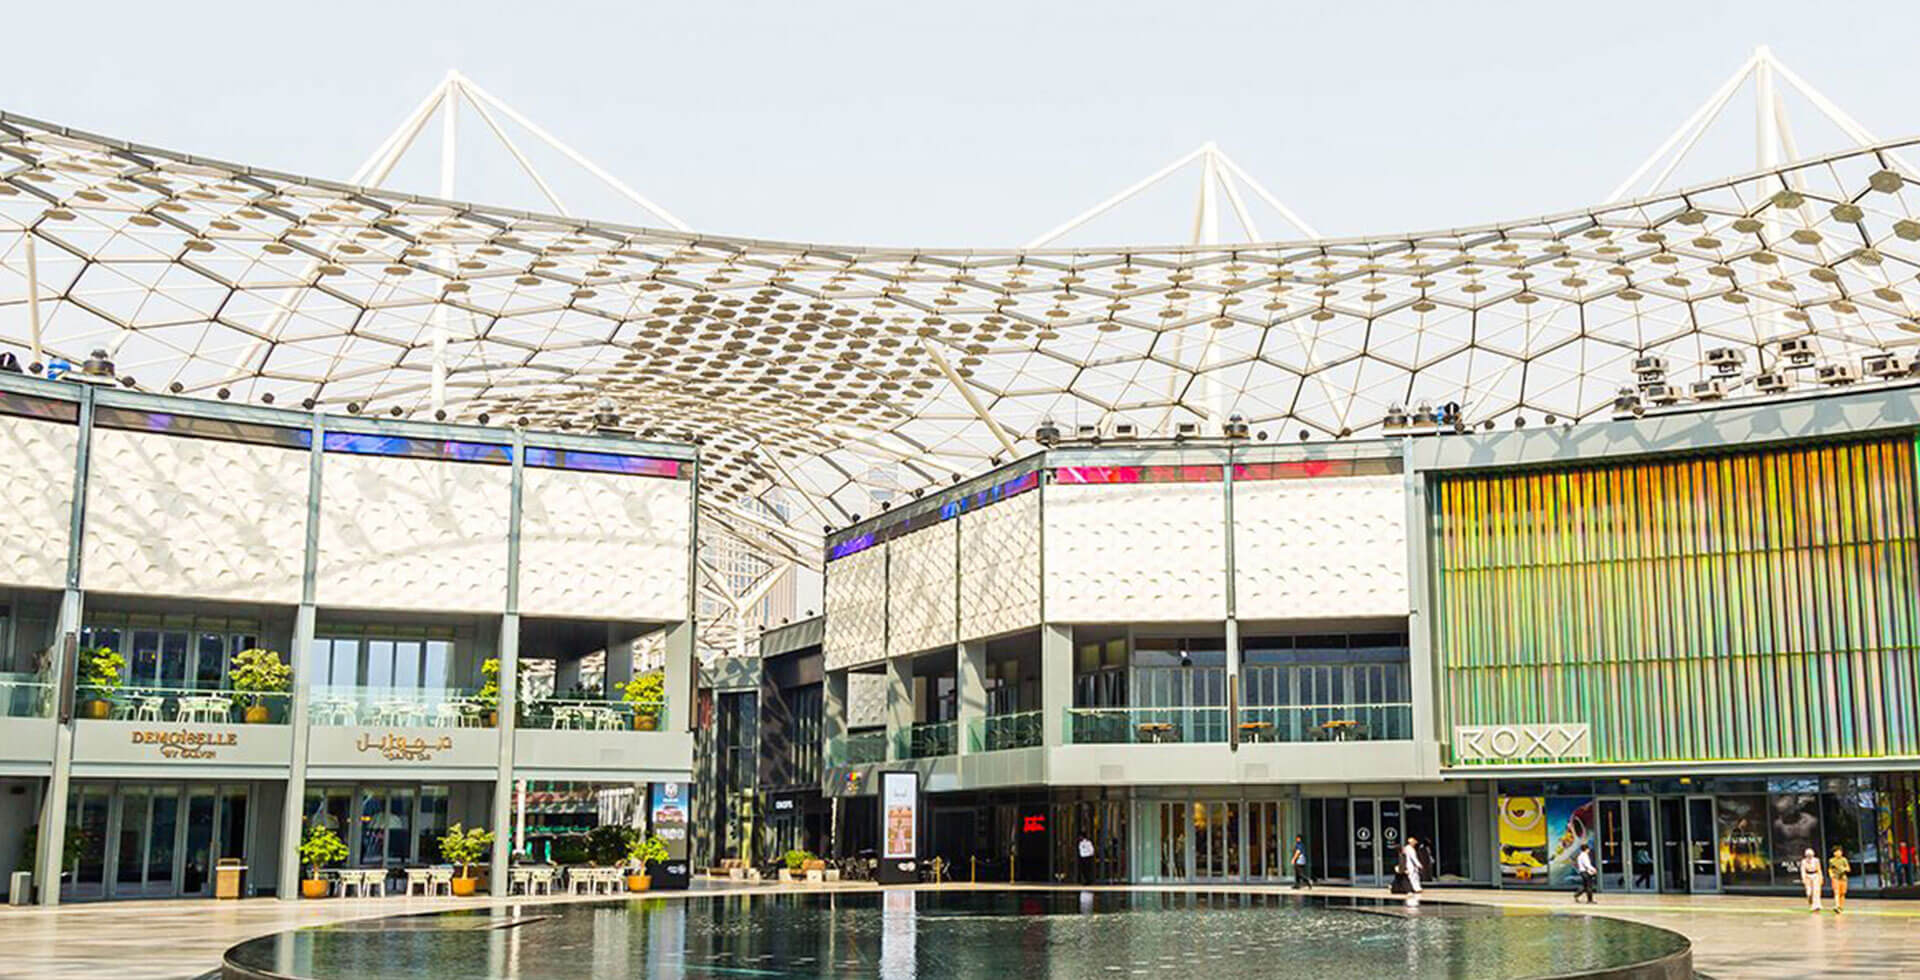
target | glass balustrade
x=378, y=707
x=577, y=714
x=927, y=740
x=1146, y=726
x=1327, y=723
x=176, y=704
x=25, y=697
x=857, y=748
x=1011, y=731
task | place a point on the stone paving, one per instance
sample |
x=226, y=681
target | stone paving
x=1767, y=938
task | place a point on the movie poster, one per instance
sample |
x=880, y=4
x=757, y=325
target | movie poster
x=1796, y=827
x=900, y=814
x=1569, y=825
x=1540, y=837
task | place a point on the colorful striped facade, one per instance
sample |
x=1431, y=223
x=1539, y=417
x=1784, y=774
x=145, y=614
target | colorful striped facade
x=1741, y=606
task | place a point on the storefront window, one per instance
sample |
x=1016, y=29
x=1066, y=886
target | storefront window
x=1796, y=827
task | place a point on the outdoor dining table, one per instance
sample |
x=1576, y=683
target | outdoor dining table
x=1156, y=731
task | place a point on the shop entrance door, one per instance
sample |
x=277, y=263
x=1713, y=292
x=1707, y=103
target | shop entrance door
x=1216, y=840
x=1689, y=851
x=1377, y=835
x=1626, y=845
x=153, y=840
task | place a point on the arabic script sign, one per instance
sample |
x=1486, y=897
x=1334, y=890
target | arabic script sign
x=1522, y=743
x=396, y=747
x=186, y=743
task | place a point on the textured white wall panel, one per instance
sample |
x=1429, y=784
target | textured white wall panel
x=1000, y=567
x=1320, y=548
x=1136, y=553
x=856, y=603
x=921, y=608
x=604, y=545
x=172, y=515
x=866, y=700
x=414, y=533
x=36, y=494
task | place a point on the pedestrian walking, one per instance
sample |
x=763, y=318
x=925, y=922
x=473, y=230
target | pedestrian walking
x=1838, y=868
x=1589, y=875
x=1086, y=860
x=1410, y=859
x=1810, y=878
x=1301, y=877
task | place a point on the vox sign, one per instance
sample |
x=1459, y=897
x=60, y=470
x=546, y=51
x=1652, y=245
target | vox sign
x=1522, y=743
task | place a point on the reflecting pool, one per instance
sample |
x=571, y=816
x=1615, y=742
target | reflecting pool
x=1015, y=933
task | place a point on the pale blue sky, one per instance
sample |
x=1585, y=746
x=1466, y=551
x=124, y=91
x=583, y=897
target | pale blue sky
x=974, y=124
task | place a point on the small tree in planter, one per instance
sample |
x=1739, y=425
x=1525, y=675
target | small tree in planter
x=319, y=848
x=646, y=693
x=465, y=848
x=487, y=698
x=796, y=861
x=99, y=675
x=645, y=853
x=607, y=844
x=257, y=673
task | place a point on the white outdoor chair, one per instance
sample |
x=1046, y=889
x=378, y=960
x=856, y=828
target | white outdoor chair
x=421, y=878
x=373, y=883
x=208, y=708
x=542, y=879
x=440, y=878
x=447, y=714
x=147, y=707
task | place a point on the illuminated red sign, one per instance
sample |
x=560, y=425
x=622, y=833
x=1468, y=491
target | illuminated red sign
x=1036, y=824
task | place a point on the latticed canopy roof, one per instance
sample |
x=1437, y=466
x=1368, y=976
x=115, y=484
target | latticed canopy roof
x=833, y=370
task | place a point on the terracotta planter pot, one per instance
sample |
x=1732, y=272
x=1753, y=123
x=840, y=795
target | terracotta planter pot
x=313, y=888
x=464, y=887
x=493, y=719
x=644, y=723
x=639, y=883
x=98, y=710
x=257, y=715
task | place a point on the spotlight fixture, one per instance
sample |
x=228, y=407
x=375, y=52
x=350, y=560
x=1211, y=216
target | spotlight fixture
x=1125, y=430
x=1261, y=435
x=1486, y=426
x=394, y=411
x=1087, y=432
x=439, y=415
x=605, y=416
x=917, y=491
x=36, y=368
x=1396, y=419
x=1726, y=360
x=1048, y=434
x=1771, y=383
x=886, y=505
x=856, y=518
x=1798, y=351
x=1836, y=374
x=1183, y=431
x=1345, y=432
x=9, y=363
x=1883, y=365
x=353, y=408
x=224, y=394
x=825, y=529
x=485, y=418
x=1423, y=416
x=176, y=387
x=308, y=403
x=994, y=460
x=1519, y=421
x=1551, y=418
x=957, y=478
x=126, y=381
x=266, y=399
x=1237, y=427
x=521, y=421
x=1305, y=435
x=1661, y=394
x=1626, y=403
x=1650, y=368
x=97, y=365
x=1707, y=390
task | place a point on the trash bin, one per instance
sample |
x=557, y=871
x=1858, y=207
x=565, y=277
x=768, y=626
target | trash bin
x=20, y=888
x=226, y=878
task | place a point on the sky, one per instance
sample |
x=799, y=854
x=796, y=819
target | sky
x=978, y=124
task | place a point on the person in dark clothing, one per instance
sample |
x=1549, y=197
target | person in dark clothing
x=1301, y=877
x=1086, y=860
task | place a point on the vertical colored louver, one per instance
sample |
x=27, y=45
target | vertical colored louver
x=1756, y=605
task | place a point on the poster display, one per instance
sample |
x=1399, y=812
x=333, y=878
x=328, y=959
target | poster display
x=1540, y=837
x=900, y=815
x=667, y=808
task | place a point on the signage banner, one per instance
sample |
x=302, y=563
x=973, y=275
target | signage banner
x=669, y=811
x=1523, y=743
x=900, y=814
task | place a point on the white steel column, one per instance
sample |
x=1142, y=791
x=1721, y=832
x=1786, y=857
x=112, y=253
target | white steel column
x=970, y=673
x=52, y=838
x=300, y=656
x=33, y=298
x=899, y=706
x=1056, y=681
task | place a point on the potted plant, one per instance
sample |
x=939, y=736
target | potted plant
x=465, y=848
x=99, y=675
x=645, y=853
x=257, y=673
x=607, y=844
x=319, y=848
x=795, y=861
x=488, y=697
x=646, y=693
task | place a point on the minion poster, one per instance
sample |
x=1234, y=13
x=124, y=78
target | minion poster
x=1540, y=836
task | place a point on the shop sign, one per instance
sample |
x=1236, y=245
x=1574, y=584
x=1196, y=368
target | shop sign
x=186, y=743
x=396, y=747
x=782, y=806
x=1522, y=743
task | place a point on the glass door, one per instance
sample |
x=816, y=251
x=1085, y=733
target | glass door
x=1392, y=835
x=1268, y=850
x=129, y=834
x=1643, y=870
x=1673, y=843
x=1703, y=851
x=88, y=809
x=1366, y=867
x=1612, y=845
x=163, y=830
x=196, y=877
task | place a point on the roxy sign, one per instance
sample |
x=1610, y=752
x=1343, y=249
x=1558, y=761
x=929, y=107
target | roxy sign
x=1522, y=743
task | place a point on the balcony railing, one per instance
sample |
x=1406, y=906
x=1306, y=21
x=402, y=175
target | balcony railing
x=175, y=704
x=388, y=707
x=1147, y=726
x=928, y=740
x=568, y=714
x=1013, y=731
x=857, y=748
x=25, y=697
x=1327, y=723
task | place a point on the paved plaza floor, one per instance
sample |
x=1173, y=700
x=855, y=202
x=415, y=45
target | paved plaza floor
x=1768, y=937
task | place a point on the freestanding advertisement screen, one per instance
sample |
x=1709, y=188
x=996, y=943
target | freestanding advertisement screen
x=899, y=827
x=668, y=803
